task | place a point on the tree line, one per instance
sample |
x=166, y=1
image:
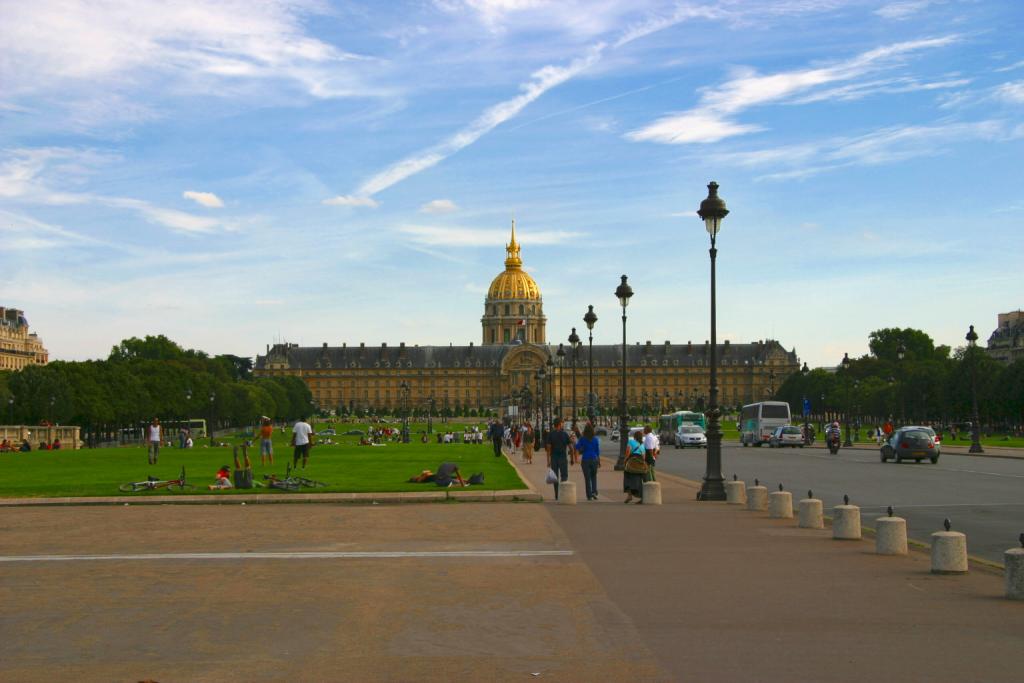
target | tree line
x=146, y=378
x=929, y=384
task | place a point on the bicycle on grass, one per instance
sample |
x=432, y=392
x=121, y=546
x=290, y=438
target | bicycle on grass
x=152, y=483
x=291, y=483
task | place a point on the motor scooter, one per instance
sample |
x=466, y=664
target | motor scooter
x=832, y=441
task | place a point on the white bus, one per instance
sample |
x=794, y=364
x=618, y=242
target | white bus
x=759, y=420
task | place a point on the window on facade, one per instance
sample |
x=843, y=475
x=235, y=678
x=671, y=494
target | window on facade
x=522, y=309
x=508, y=309
x=505, y=336
x=494, y=336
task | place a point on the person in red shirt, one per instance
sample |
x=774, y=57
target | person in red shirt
x=223, y=479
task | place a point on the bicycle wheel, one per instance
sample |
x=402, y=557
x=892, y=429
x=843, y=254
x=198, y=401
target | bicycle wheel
x=128, y=488
x=183, y=487
x=313, y=484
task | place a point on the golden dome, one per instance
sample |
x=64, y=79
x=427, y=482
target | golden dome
x=514, y=282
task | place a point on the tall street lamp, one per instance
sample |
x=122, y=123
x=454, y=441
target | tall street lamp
x=213, y=397
x=541, y=373
x=574, y=342
x=972, y=341
x=623, y=293
x=590, y=318
x=561, y=382
x=430, y=416
x=551, y=393
x=404, y=386
x=807, y=427
x=901, y=353
x=10, y=409
x=712, y=211
x=846, y=369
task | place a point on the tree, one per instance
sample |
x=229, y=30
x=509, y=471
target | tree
x=919, y=346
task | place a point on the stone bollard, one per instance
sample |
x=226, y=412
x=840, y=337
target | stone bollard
x=891, y=535
x=757, y=497
x=949, y=551
x=811, y=516
x=780, y=504
x=846, y=521
x=567, y=493
x=735, y=492
x=1013, y=560
x=652, y=493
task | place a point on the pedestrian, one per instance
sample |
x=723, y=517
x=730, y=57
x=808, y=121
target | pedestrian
x=153, y=440
x=558, y=447
x=266, y=441
x=302, y=440
x=652, y=448
x=633, y=482
x=528, y=444
x=589, y=449
x=181, y=437
x=496, y=431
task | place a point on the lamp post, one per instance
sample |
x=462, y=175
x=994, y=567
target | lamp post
x=623, y=293
x=901, y=353
x=404, y=386
x=561, y=382
x=430, y=415
x=541, y=372
x=846, y=369
x=10, y=409
x=972, y=341
x=213, y=397
x=550, y=393
x=807, y=427
x=712, y=211
x=590, y=318
x=574, y=342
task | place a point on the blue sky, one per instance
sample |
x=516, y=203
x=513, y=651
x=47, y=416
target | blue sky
x=233, y=173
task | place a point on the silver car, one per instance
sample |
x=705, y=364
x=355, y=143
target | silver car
x=786, y=436
x=912, y=443
x=691, y=436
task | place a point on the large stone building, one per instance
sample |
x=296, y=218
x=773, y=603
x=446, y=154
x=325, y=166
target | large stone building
x=1006, y=343
x=514, y=346
x=18, y=346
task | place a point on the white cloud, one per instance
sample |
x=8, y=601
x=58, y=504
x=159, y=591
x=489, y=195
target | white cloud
x=540, y=82
x=436, y=236
x=439, y=206
x=1011, y=92
x=1012, y=67
x=350, y=200
x=207, y=199
x=902, y=10
x=711, y=120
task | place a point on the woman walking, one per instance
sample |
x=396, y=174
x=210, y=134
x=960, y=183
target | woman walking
x=634, y=471
x=589, y=449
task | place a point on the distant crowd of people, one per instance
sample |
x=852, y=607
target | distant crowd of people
x=8, y=446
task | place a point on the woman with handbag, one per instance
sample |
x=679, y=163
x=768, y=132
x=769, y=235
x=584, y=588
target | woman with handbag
x=634, y=471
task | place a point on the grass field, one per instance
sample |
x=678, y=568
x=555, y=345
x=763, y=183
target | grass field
x=345, y=467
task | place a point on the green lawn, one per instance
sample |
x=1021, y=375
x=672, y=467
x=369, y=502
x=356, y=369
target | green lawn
x=345, y=467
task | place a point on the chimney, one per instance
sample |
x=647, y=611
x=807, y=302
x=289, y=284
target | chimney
x=647, y=348
x=325, y=345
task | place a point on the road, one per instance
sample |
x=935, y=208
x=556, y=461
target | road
x=983, y=497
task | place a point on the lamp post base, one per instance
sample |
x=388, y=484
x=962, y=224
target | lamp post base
x=976, y=448
x=712, y=489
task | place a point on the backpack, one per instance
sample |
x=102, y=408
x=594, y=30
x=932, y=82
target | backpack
x=477, y=478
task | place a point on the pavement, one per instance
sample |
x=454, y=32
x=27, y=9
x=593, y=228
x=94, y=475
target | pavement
x=455, y=591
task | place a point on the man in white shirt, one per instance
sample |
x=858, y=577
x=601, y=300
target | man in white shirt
x=302, y=440
x=153, y=440
x=652, y=445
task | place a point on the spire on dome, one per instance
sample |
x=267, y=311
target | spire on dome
x=512, y=257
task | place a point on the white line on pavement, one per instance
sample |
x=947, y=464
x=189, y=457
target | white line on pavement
x=374, y=555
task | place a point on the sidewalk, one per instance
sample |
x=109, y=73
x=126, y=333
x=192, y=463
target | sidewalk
x=720, y=593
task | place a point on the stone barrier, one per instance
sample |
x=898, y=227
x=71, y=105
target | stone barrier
x=567, y=493
x=846, y=522
x=652, y=493
x=735, y=492
x=891, y=536
x=780, y=505
x=757, y=497
x=1013, y=560
x=810, y=515
x=949, y=552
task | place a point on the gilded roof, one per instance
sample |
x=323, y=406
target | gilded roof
x=514, y=282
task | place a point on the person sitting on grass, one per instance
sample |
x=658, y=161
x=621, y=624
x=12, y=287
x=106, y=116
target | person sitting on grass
x=5, y=446
x=448, y=474
x=55, y=446
x=222, y=480
x=25, y=446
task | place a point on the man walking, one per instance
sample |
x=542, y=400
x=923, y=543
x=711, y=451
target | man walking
x=558, y=446
x=302, y=440
x=497, y=433
x=652, y=447
x=153, y=440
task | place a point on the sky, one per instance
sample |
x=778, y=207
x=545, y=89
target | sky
x=232, y=174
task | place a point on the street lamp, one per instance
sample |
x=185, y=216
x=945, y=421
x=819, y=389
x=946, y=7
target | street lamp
x=623, y=293
x=541, y=373
x=846, y=369
x=430, y=416
x=404, y=386
x=712, y=211
x=590, y=318
x=807, y=427
x=972, y=341
x=574, y=342
x=213, y=397
x=10, y=409
x=901, y=353
x=550, y=393
x=561, y=364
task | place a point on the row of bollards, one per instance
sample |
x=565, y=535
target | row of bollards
x=567, y=493
x=948, y=550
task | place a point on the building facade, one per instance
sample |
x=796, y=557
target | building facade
x=503, y=369
x=18, y=346
x=1006, y=343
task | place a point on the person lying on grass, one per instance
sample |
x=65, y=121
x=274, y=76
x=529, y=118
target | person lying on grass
x=222, y=479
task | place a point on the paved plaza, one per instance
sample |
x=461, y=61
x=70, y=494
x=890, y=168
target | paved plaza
x=482, y=591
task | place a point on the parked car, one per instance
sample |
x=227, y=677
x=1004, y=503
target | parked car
x=911, y=443
x=788, y=435
x=600, y=431
x=691, y=436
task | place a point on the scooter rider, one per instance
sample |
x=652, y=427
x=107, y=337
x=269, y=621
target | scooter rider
x=833, y=436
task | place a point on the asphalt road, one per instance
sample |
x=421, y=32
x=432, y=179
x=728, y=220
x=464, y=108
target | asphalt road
x=983, y=497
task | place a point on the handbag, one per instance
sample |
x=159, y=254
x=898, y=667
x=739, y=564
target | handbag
x=551, y=477
x=635, y=465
